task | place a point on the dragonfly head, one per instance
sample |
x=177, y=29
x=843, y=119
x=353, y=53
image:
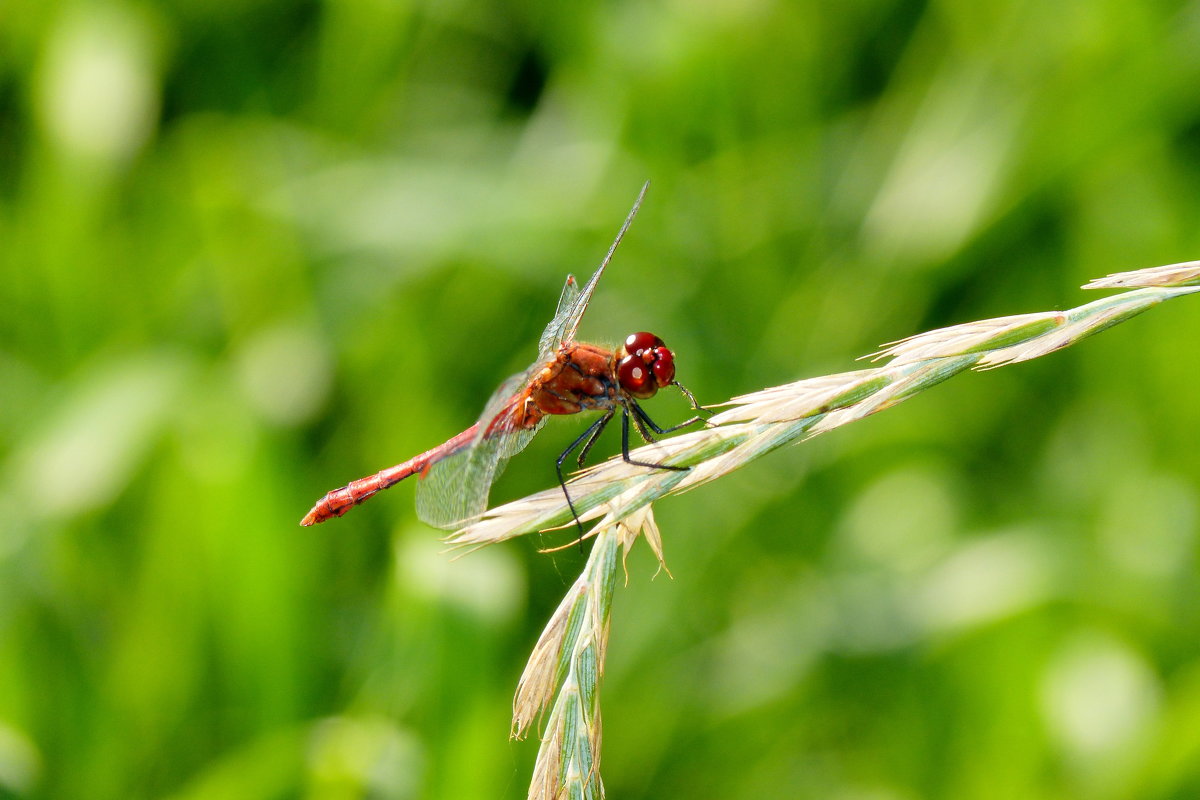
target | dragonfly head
x=644, y=365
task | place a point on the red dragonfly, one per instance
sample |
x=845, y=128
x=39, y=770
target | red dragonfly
x=567, y=377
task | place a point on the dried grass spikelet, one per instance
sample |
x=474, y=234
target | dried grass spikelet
x=1186, y=273
x=564, y=671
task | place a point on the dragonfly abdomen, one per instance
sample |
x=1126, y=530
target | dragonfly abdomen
x=339, y=501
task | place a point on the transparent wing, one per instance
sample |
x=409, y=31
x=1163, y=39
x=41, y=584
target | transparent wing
x=456, y=488
x=552, y=335
x=562, y=328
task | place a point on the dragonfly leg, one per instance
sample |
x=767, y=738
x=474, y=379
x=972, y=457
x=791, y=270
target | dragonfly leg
x=638, y=420
x=595, y=430
x=643, y=419
x=587, y=440
x=692, y=399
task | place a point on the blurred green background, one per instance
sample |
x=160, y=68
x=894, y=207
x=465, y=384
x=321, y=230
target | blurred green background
x=252, y=250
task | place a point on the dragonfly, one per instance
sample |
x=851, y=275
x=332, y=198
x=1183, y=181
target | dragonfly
x=568, y=377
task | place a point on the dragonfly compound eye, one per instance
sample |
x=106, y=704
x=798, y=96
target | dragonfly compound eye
x=636, y=377
x=663, y=366
x=636, y=343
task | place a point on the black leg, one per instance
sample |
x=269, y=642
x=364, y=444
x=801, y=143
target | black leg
x=692, y=399
x=596, y=431
x=643, y=417
x=590, y=436
x=639, y=424
x=625, y=444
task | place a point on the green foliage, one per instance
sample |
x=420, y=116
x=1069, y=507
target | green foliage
x=251, y=251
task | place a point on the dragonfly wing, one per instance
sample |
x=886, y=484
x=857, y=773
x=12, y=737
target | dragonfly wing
x=567, y=299
x=456, y=487
x=552, y=336
x=566, y=321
